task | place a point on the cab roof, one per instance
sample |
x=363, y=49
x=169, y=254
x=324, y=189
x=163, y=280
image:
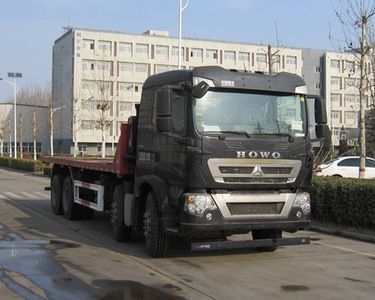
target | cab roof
x=222, y=78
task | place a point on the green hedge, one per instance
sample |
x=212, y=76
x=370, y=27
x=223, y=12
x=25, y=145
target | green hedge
x=21, y=164
x=344, y=201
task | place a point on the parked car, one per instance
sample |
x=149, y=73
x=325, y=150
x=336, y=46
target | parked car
x=347, y=166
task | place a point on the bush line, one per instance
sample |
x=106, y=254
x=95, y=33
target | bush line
x=22, y=164
x=344, y=201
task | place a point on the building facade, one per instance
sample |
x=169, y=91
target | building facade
x=32, y=123
x=98, y=76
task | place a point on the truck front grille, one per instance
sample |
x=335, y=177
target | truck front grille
x=254, y=171
x=254, y=180
x=255, y=208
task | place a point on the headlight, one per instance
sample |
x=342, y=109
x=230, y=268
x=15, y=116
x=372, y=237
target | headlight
x=197, y=80
x=303, y=201
x=197, y=204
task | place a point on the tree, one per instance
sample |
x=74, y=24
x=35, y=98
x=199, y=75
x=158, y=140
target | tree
x=101, y=91
x=2, y=133
x=21, y=131
x=354, y=16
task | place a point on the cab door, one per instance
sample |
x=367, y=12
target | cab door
x=170, y=141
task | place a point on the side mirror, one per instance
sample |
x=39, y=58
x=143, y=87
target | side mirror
x=200, y=90
x=320, y=111
x=322, y=131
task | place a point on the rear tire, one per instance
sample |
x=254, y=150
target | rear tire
x=156, y=239
x=56, y=194
x=121, y=232
x=71, y=210
x=266, y=234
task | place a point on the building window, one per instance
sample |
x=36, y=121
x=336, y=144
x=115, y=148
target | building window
x=125, y=86
x=336, y=100
x=87, y=65
x=261, y=58
x=336, y=116
x=336, y=82
x=291, y=61
x=105, y=45
x=125, y=48
x=88, y=44
x=211, y=54
x=276, y=61
x=125, y=107
x=335, y=64
x=317, y=69
x=87, y=124
x=104, y=65
x=317, y=86
x=161, y=68
x=141, y=50
x=350, y=82
x=162, y=52
x=175, y=52
x=291, y=114
x=82, y=148
x=88, y=105
x=196, y=52
x=351, y=116
x=352, y=101
x=350, y=66
x=230, y=55
x=125, y=67
x=244, y=56
x=88, y=85
x=141, y=68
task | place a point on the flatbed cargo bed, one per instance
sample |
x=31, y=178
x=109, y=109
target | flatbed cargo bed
x=121, y=164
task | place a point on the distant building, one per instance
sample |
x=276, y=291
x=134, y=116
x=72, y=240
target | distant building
x=25, y=127
x=92, y=67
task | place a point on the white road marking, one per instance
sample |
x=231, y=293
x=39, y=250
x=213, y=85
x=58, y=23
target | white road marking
x=24, y=196
x=13, y=195
x=2, y=197
x=346, y=249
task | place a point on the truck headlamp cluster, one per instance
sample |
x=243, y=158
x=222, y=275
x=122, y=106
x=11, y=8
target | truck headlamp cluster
x=198, y=204
x=303, y=201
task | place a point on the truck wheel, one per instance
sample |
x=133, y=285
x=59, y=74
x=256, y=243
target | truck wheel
x=56, y=189
x=121, y=232
x=71, y=210
x=156, y=239
x=266, y=234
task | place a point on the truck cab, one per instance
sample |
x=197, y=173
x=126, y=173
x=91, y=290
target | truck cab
x=222, y=152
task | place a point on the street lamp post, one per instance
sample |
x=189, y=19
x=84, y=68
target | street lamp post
x=181, y=9
x=52, y=112
x=14, y=75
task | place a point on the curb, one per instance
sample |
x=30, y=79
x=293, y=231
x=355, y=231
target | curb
x=343, y=232
x=25, y=172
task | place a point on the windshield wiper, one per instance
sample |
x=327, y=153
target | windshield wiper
x=291, y=138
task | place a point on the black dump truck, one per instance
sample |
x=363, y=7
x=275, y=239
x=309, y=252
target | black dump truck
x=210, y=153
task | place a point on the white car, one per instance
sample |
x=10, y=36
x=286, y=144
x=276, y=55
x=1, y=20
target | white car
x=347, y=166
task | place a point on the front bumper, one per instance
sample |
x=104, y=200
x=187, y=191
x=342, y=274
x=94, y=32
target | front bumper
x=286, y=217
x=196, y=228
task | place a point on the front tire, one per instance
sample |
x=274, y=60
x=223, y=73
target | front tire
x=156, y=239
x=266, y=234
x=121, y=232
x=56, y=194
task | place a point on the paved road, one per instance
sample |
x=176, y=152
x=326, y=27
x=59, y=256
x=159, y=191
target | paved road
x=47, y=257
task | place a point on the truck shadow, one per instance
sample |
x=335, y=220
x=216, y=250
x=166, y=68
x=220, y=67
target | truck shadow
x=98, y=233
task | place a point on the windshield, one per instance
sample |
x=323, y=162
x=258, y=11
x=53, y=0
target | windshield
x=219, y=112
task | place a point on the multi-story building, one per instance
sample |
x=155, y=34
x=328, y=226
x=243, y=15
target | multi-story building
x=98, y=76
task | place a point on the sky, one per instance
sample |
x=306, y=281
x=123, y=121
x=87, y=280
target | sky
x=30, y=27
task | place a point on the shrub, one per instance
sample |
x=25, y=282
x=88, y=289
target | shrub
x=21, y=164
x=344, y=201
